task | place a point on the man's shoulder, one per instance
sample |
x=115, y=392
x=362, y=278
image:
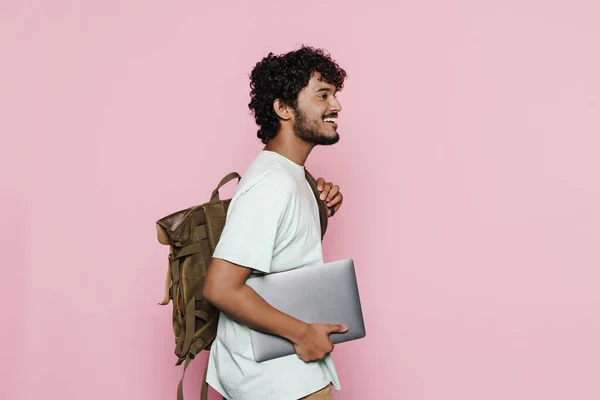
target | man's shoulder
x=268, y=182
x=268, y=175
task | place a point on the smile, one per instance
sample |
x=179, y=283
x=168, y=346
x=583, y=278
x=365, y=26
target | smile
x=330, y=119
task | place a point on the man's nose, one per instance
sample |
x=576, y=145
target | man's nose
x=336, y=106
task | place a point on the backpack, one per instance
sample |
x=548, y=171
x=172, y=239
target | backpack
x=192, y=235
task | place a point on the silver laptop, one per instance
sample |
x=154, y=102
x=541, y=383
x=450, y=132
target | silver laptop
x=325, y=293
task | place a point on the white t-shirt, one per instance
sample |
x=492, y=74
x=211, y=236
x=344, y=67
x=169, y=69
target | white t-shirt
x=272, y=225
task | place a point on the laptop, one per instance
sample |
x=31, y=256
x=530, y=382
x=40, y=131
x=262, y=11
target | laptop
x=325, y=293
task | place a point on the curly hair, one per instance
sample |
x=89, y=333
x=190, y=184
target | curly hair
x=283, y=77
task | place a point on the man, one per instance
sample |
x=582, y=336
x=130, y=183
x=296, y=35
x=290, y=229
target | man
x=272, y=226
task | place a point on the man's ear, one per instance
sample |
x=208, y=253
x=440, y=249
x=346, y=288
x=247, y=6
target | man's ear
x=284, y=111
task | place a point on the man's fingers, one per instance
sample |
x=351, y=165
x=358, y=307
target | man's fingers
x=336, y=200
x=320, y=183
x=332, y=193
x=336, y=328
x=326, y=189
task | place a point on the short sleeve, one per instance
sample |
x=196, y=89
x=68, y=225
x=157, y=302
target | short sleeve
x=250, y=232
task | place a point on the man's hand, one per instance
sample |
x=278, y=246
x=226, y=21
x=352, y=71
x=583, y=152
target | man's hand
x=332, y=196
x=314, y=344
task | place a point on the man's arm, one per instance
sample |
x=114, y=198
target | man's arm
x=225, y=287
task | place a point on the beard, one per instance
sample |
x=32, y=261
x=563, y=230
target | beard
x=312, y=131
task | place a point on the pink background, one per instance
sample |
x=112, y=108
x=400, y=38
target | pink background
x=468, y=160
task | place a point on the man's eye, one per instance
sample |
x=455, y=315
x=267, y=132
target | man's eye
x=323, y=96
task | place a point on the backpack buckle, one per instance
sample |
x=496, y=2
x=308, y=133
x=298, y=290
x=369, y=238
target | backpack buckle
x=182, y=359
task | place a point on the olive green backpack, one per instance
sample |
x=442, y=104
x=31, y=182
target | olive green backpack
x=192, y=235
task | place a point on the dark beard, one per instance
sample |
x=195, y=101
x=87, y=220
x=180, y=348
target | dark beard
x=309, y=131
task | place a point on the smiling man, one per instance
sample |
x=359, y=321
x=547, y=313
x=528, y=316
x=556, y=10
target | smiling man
x=272, y=226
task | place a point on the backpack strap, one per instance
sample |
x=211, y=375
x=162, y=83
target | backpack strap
x=180, y=385
x=322, y=206
x=167, y=297
x=194, y=349
x=215, y=194
x=204, y=384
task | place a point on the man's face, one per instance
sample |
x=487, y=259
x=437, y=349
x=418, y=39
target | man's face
x=316, y=113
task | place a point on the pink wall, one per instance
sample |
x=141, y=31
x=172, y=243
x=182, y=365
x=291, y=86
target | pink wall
x=469, y=163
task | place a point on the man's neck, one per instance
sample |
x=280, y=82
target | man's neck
x=291, y=147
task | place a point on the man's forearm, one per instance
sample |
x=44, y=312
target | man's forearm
x=245, y=306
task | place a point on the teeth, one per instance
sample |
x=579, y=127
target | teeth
x=329, y=119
